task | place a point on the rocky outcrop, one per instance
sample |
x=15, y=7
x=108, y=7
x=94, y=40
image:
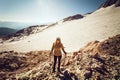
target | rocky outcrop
x=111, y=2
x=29, y=30
x=75, y=17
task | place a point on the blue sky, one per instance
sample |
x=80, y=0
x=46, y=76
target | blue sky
x=44, y=11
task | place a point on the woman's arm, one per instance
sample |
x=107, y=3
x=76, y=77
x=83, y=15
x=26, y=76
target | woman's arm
x=63, y=49
x=64, y=52
x=52, y=49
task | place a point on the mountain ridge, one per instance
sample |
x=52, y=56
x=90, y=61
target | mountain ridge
x=74, y=17
x=110, y=2
x=38, y=28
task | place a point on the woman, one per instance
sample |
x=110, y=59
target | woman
x=56, y=49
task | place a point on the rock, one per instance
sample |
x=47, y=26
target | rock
x=88, y=74
x=75, y=17
x=11, y=61
x=67, y=75
x=111, y=2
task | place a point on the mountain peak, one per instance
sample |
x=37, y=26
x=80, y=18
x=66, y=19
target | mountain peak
x=111, y=2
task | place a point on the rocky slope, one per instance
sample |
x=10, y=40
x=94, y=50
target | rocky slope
x=24, y=33
x=21, y=34
x=98, y=60
x=75, y=17
x=111, y=2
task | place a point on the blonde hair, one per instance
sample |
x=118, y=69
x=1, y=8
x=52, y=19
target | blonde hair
x=58, y=44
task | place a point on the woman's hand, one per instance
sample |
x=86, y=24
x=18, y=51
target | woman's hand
x=65, y=55
x=50, y=54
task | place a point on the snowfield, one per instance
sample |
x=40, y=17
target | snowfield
x=99, y=25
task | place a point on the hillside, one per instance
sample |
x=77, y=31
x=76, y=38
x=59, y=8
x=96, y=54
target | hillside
x=98, y=60
x=25, y=32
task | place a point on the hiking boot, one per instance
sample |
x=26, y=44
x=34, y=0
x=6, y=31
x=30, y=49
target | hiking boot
x=59, y=71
